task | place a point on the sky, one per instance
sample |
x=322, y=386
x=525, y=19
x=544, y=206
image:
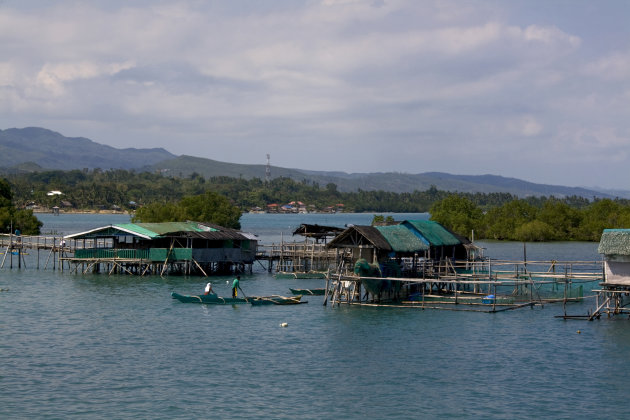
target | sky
x=535, y=89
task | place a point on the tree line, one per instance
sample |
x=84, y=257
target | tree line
x=12, y=219
x=520, y=220
x=128, y=189
x=154, y=196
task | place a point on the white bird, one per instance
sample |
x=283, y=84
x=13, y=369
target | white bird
x=284, y=324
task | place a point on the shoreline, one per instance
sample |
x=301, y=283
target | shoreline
x=82, y=212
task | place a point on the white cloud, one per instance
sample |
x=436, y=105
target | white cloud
x=525, y=126
x=614, y=67
x=346, y=74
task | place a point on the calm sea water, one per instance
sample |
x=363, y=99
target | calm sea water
x=98, y=346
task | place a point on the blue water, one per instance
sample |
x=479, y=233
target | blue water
x=98, y=346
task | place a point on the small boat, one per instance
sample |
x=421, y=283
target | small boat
x=300, y=275
x=313, y=292
x=209, y=299
x=277, y=300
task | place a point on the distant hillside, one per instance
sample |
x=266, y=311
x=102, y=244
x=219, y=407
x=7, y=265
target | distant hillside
x=184, y=166
x=389, y=181
x=51, y=150
x=36, y=149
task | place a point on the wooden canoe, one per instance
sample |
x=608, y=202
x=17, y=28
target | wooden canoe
x=277, y=300
x=209, y=299
x=300, y=275
x=313, y=292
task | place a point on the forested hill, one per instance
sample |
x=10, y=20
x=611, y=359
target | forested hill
x=184, y=166
x=51, y=150
x=36, y=149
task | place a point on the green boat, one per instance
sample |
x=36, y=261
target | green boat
x=212, y=299
x=312, y=292
x=277, y=300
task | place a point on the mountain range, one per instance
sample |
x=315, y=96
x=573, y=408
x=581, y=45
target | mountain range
x=38, y=149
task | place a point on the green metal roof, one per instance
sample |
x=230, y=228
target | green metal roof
x=434, y=232
x=615, y=242
x=144, y=230
x=402, y=239
x=157, y=229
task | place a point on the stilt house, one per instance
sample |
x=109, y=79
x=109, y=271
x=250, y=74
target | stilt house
x=411, y=238
x=615, y=246
x=188, y=247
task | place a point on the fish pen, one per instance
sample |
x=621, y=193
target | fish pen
x=299, y=259
x=485, y=286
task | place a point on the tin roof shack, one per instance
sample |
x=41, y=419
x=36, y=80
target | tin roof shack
x=158, y=248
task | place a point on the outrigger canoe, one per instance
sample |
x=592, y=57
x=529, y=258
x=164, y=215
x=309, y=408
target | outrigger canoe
x=313, y=292
x=210, y=299
x=277, y=300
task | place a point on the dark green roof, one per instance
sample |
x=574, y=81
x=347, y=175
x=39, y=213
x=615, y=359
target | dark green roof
x=615, y=242
x=402, y=239
x=433, y=232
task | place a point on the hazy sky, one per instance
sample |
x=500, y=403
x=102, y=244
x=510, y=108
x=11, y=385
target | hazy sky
x=537, y=90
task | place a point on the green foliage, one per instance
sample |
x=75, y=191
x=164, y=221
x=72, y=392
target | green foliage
x=162, y=198
x=603, y=214
x=458, y=213
x=209, y=207
x=26, y=222
x=562, y=219
x=519, y=220
x=379, y=219
x=12, y=219
x=158, y=213
x=501, y=222
x=534, y=231
x=5, y=193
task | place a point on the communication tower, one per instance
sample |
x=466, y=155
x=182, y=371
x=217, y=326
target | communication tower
x=268, y=169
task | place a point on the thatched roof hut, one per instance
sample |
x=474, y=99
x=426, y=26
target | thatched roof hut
x=317, y=232
x=615, y=245
x=615, y=242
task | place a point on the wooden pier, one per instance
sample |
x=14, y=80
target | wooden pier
x=293, y=257
x=14, y=248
